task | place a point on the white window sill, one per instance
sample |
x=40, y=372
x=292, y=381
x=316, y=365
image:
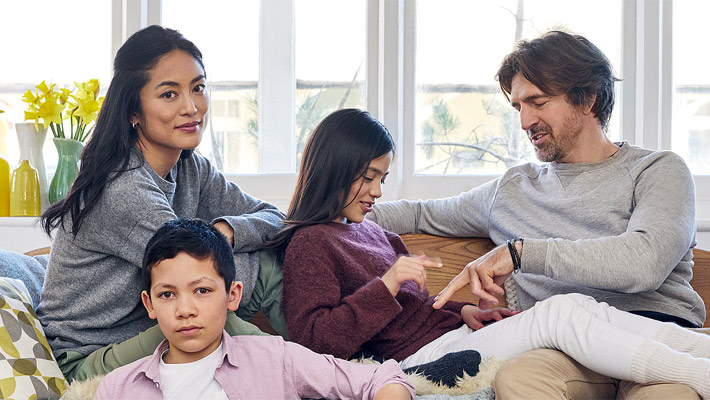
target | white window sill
x=22, y=234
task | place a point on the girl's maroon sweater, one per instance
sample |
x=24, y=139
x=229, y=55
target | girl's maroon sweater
x=335, y=302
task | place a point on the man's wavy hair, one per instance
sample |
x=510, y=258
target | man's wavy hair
x=560, y=63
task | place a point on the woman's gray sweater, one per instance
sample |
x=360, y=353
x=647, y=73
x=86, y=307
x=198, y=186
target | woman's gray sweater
x=91, y=294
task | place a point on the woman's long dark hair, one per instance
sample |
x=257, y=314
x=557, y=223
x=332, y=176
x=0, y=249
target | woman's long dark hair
x=337, y=154
x=108, y=150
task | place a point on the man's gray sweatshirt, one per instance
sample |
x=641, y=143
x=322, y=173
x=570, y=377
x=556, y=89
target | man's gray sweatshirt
x=621, y=230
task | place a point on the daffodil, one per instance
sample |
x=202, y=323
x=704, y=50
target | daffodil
x=29, y=97
x=46, y=89
x=51, y=110
x=82, y=107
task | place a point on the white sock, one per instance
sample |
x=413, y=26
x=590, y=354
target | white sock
x=655, y=362
x=684, y=340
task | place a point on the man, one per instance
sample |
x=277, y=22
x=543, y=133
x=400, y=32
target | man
x=605, y=219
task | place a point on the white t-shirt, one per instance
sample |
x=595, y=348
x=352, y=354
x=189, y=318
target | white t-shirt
x=193, y=380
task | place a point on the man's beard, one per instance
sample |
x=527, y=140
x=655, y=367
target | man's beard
x=557, y=145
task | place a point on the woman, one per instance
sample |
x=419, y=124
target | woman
x=138, y=171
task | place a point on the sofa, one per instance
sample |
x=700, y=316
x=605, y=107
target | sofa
x=455, y=253
x=27, y=365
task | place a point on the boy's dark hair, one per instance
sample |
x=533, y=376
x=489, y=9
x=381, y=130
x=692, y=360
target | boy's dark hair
x=559, y=63
x=197, y=238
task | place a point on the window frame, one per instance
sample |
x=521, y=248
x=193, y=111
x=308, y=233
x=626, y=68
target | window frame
x=645, y=98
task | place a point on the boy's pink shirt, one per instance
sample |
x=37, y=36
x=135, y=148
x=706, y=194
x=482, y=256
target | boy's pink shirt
x=263, y=367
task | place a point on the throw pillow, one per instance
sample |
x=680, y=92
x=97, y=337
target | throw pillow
x=28, y=369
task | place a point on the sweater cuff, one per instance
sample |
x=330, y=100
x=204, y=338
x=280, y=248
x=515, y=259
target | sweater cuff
x=455, y=306
x=386, y=304
x=534, y=256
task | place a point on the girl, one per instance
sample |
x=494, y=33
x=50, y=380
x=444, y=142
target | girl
x=349, y=284
x=138, y=171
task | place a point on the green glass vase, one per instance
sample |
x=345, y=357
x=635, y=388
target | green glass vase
x=69, y=151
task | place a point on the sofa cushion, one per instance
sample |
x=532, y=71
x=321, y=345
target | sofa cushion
x=28, y=369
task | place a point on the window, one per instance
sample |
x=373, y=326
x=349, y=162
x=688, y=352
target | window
x=425, y=68
x=315, y=64
x=230, y=49
x=330, y=61
x=464, y=124
x=49, y=46
x=691, y=85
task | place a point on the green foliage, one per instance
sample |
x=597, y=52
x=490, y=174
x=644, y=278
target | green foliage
x=444, y=143
x=443, y=119
x=252, y=125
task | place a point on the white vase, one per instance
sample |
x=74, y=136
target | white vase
x=31, y=143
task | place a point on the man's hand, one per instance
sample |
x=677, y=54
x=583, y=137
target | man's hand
x=408, y=268
x=486, y=275
x=476, y=318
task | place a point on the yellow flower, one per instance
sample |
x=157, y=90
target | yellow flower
x=29, y=97
x=50, y=110
x=64, y=95
x=44, y=89
x=87, y=109
x=48, y=104
x=32, y=107
x=90, y=86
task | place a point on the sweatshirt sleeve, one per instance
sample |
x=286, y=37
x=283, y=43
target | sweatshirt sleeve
x=660, y=232
x=251, y=219
x=317, y=375
x=126, y=216
x=316, y=316
x=465, y=215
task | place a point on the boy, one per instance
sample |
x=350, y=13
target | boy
x=188, y=274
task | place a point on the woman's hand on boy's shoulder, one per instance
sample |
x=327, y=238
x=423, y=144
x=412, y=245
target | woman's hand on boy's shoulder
x=224, y=228
x=476, y=318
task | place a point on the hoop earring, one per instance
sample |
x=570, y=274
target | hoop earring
x=134, y=125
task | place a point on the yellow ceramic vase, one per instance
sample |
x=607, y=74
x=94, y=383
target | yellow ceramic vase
x=4, y=188
x=25, y=197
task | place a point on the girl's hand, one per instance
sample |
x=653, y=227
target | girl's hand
x=408, y=268
x=476, y=318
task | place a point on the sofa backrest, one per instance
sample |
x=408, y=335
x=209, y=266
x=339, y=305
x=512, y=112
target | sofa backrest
x=455, y=253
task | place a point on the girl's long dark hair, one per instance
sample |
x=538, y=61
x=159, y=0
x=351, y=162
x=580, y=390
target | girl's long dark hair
x=338, y=153
x=108, y=150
